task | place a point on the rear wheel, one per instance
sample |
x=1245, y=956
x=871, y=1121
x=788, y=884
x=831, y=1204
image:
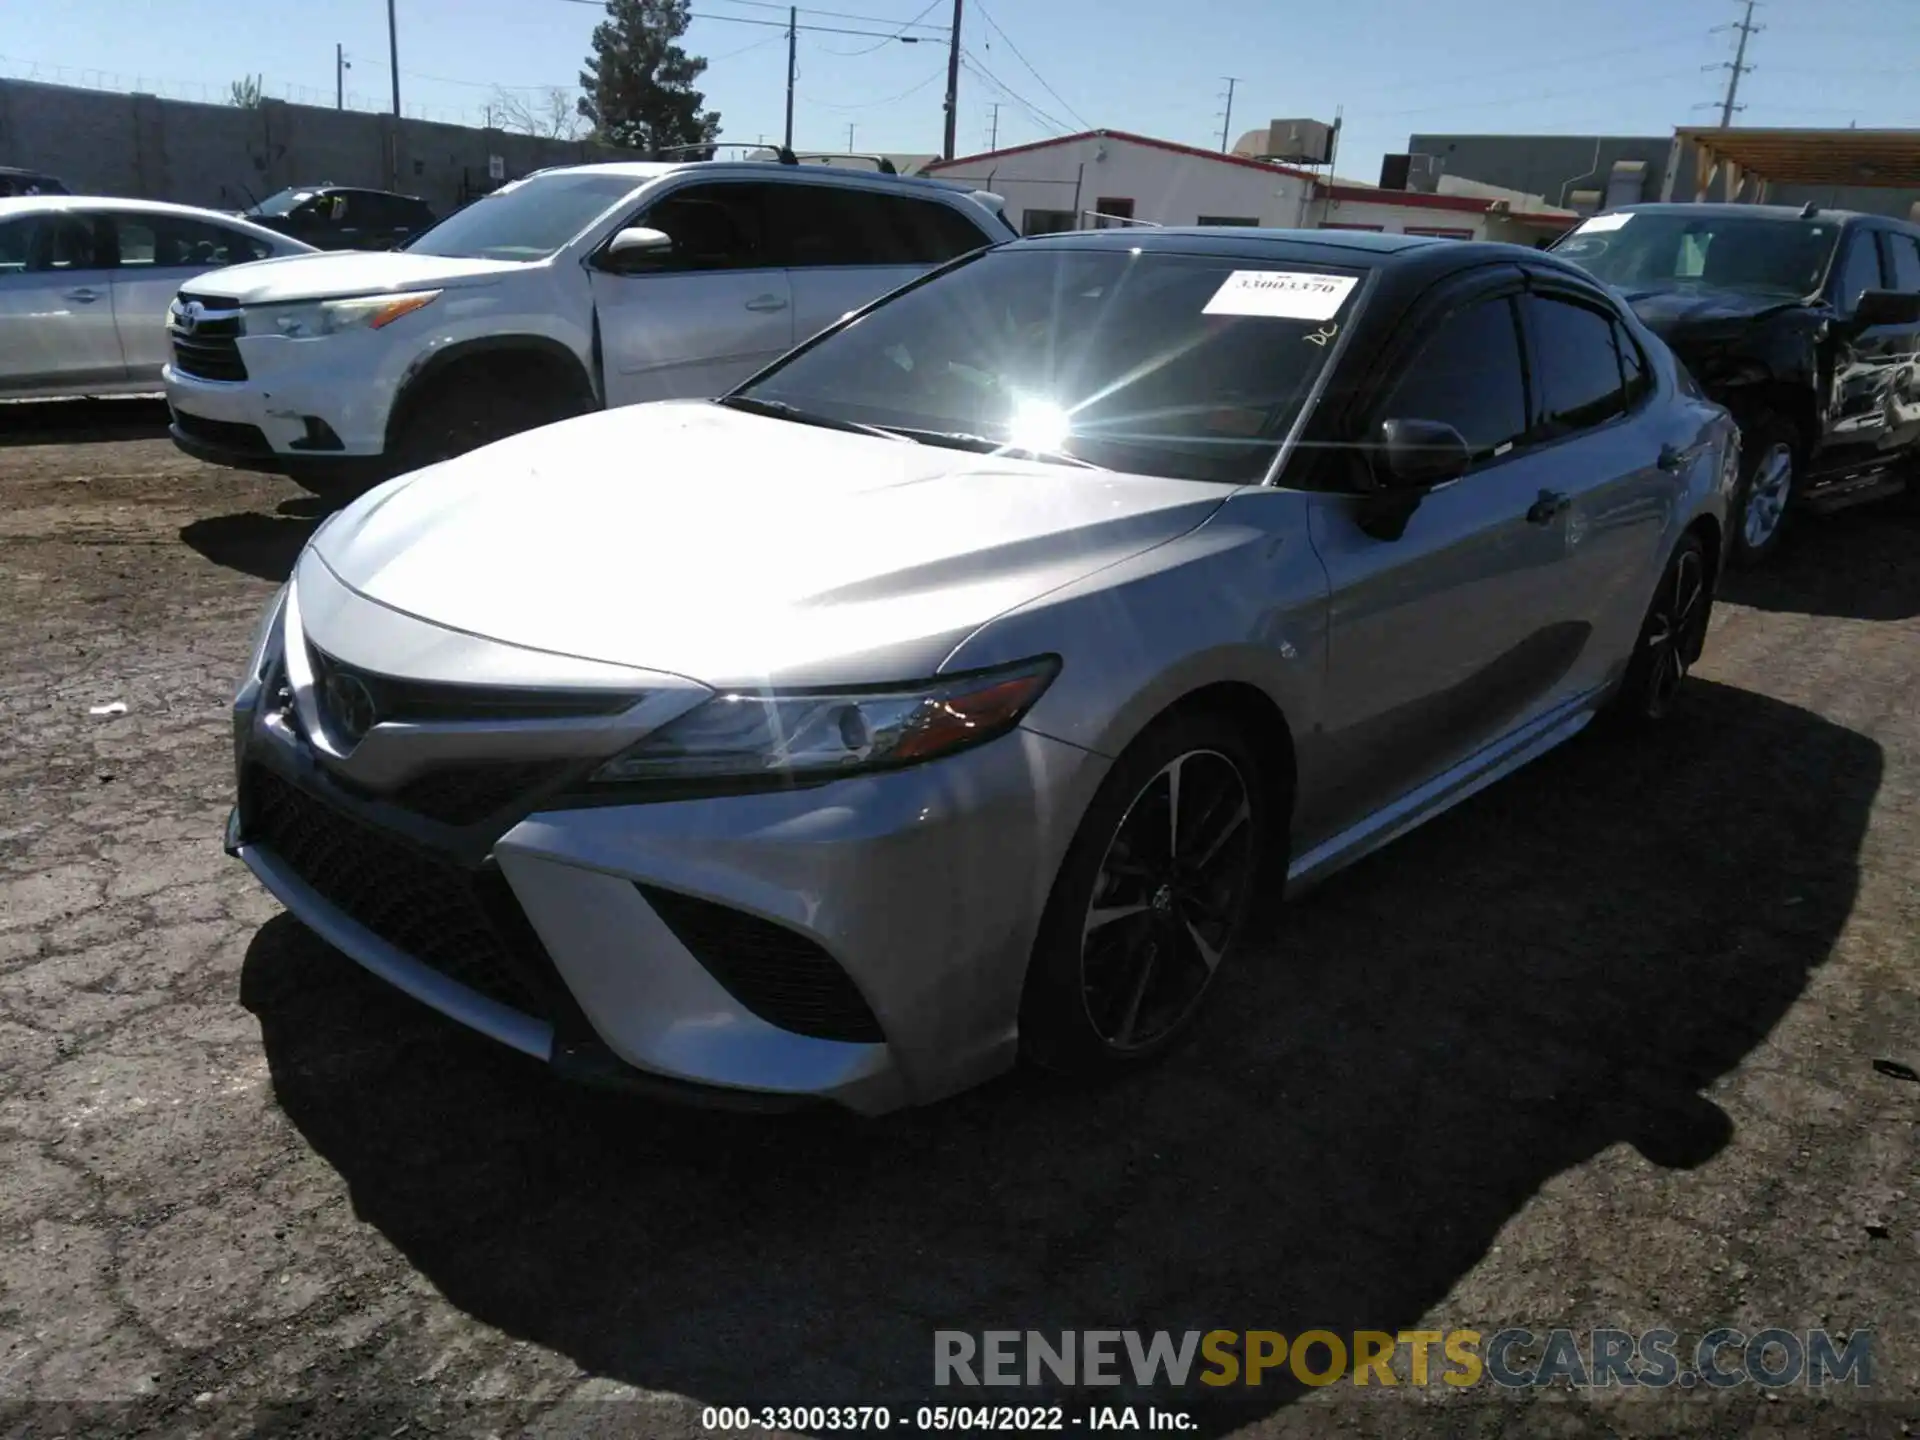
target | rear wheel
x=1671, y=638
x=1769, y=480
x=1152, y=899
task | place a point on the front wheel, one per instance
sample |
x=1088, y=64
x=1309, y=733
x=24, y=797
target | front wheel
x=466, y=413
x=1152, y=898
x=1672, y=636
x=1769, y=479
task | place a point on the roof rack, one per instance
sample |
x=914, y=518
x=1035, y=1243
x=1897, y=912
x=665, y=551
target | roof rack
x=880, y=162
x=661, y=152
x=1809, y=210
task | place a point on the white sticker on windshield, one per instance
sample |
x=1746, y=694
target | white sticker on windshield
x=1281, y=294
x=1601, y=223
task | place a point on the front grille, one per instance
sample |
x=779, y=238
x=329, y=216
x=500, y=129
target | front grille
x=208, y=349
x=427, y=700
x=777, y=973
x=464, y=923
x=227, y=434
x=467, y=794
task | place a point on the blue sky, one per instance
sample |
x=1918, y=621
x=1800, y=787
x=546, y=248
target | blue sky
x=1153, y=66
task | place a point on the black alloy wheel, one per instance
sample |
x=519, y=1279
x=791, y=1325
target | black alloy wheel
x=1672, y=637
x=1154, y=894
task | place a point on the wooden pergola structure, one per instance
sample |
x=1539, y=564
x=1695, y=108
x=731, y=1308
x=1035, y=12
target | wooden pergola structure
x=1878, y=159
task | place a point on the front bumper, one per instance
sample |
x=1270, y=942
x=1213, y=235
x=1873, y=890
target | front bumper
x=920, y=887
x=322, y=402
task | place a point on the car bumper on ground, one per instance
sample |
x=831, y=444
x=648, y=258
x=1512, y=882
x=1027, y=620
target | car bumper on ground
x=862, y=943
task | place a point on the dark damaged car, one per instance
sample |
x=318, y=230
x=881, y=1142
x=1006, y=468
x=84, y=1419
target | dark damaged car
x=1804, y=323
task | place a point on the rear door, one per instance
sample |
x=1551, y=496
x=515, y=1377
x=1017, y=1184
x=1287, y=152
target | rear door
x=1461, y=626
x=845, y=245
x=1598, y=442
x=1900, y=263
x=157, y=254
x=1860, y=429
x=700, y=319
x=56, y=306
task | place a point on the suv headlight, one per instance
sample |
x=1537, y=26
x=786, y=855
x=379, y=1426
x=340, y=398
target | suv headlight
x=810, y=735
x=312, y=318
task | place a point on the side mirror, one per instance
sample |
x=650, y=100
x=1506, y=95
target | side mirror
x=1886, y=307
x=633, y=247
x=1419, y=454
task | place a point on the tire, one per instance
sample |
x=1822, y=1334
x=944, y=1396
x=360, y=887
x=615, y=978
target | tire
x=1770, y=458
x=1116, y=993
x=1671, y=638
x=463, y=412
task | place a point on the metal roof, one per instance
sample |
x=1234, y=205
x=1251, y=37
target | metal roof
x=1888, y=159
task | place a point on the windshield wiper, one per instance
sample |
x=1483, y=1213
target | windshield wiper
x=781, y=410
x=986, y=445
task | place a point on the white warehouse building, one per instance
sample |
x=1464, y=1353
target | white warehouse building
x=1109, y=177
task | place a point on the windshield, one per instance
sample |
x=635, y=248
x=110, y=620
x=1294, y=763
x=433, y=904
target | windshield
x=1640, y=250
x=281, y=202
x=528, y=220
x=1188, y=366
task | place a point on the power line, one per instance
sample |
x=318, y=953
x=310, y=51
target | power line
x=913, y=24
x=1034, y=112
x=1030, y=70
x=900, y=34
x=779, y=24
x=869, y=104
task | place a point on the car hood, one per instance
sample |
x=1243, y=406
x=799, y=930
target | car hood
x=739, y=549
x=326, y=273
x=1676, y=315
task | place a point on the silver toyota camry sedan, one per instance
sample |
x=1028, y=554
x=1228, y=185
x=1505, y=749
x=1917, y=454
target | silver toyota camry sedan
x=951, y=691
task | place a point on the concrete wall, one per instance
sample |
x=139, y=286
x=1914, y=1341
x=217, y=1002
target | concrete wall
x=1167, y=187
x=1551, y=165
x=222, y=156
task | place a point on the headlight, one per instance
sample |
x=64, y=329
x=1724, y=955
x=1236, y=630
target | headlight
x=329, y=317
x=805, y=736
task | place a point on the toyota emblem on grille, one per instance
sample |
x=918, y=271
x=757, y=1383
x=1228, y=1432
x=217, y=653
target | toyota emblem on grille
x=350, y=705
x=187, y=316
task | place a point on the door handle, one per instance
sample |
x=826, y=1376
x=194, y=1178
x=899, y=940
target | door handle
x=85, y=296
x=765, y=304
x=1550, y=504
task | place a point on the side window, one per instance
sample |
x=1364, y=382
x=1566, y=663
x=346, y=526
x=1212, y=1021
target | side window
x=67, y=242
x=177, y=242
x=1468, y=375
x=1902, y=260
x=935, y=232
x=713, y=227
x=1576, y=365
x=827, y=225
x=16, y=246
x=1859, y=271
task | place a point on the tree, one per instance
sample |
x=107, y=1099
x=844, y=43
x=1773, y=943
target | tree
x=551, y=114
x=638, y=85
x=245, y=93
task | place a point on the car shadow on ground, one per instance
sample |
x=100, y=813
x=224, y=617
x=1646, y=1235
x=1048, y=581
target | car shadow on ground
x=1564, y=963
x=1861, y=563
x=257, y=544
x=65, y=422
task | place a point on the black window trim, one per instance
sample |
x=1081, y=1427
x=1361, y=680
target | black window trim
x=1572, y=292
x=1842, y=252
x=1499, y=280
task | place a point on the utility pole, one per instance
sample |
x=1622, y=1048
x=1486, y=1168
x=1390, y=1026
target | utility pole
x=793, y=58
x=1739, y=67
x=393, y=57
x=993, y=134
x=850, y=137
x=953, y=83
x=1226, y=121
x=340, y=67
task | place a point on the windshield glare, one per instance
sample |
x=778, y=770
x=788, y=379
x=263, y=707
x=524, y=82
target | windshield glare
x=1650, y=251
x=525, y=221
x=281, y=202
x=1107, y=356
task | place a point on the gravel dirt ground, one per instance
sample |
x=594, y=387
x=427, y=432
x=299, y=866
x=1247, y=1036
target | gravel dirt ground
x=1596, y=1049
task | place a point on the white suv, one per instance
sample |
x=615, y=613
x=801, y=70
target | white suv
x=569, y=290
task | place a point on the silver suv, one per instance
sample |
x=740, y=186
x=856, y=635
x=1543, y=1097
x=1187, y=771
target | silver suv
x=570, y=290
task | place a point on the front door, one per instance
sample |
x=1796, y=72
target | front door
x=156, y=254
x=701, y=318
x=1448, y=634
x=56, y=307
x=1867, y=363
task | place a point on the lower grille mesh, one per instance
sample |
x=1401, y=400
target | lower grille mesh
x=777, y=973
x=460, y=922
